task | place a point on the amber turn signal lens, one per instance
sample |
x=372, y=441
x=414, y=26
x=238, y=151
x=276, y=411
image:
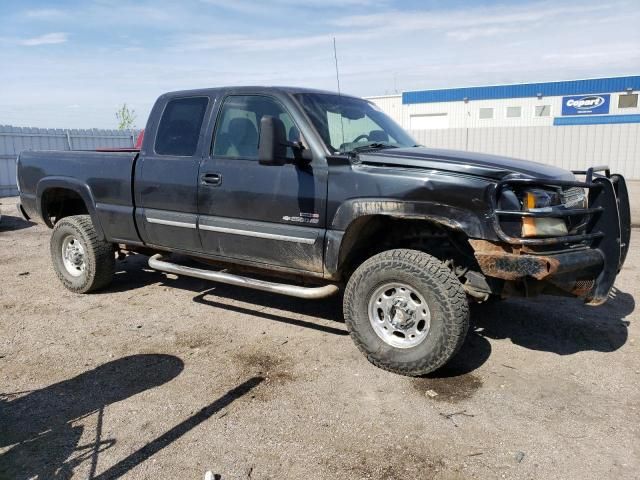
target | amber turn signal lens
x=540, y=227
x=528, y=223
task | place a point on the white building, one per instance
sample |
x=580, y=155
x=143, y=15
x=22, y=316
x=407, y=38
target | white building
x=576, y=102
x=568, y=123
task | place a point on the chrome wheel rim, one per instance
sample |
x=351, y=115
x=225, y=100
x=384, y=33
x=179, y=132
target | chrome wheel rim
x=399, y=315
x=73, y=256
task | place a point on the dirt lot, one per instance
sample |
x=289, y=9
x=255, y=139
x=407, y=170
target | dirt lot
x=168, y=378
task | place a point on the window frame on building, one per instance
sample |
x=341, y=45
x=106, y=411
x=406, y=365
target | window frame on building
x=625, y=96
x=512, y=107
x=544, y=107
x=485, y=109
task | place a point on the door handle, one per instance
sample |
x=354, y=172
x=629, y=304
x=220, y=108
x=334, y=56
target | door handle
x=213, y=179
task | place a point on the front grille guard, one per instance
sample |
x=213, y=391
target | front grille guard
x=592, y=182
x=608, y=227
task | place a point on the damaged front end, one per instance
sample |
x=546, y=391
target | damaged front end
x=555, y=240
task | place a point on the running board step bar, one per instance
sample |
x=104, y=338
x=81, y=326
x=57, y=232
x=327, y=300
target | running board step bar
x=158, y=263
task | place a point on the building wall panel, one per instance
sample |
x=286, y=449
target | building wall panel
x=572, y=147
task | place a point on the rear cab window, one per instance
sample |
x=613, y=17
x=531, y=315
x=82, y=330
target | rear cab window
x=180, y=125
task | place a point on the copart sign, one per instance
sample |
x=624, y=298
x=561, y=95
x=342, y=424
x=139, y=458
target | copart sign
x=585, y=104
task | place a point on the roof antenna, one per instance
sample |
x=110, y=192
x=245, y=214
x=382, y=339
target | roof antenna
x=335, y=56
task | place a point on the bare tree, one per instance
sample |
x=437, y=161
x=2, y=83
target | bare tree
x=126, y=117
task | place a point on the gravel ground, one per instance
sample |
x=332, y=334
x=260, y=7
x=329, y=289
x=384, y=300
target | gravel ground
x=163, y=377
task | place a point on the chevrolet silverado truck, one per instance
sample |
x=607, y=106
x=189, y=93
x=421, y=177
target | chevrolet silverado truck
x=309, y=193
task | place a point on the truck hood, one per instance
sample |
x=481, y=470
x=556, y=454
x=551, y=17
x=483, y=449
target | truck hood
x=471, y=163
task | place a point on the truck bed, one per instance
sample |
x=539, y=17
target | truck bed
x=102, y=179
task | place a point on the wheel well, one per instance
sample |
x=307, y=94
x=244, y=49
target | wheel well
x=58, y=203
x=370, y=235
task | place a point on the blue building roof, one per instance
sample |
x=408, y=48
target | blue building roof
x=547, y=89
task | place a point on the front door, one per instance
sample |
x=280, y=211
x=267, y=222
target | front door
x=166, y=180
x=273, y=215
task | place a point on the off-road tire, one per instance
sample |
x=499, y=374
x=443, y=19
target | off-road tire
x=99, y=255
x=444, y=296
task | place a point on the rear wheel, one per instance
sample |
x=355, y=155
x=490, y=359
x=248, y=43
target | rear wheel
x=406, y=311
x=82, y=261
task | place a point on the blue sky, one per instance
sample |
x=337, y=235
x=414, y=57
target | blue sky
x=72, y=63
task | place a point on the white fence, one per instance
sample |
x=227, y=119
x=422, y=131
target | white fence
x=573, y=147
x=13, y=140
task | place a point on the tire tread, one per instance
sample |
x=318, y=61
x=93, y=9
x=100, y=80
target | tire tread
x=100, y=254
x=434, y=273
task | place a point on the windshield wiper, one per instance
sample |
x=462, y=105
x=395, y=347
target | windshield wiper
x=370, y=146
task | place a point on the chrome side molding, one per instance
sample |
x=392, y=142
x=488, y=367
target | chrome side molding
x=170, y=223
x=172, y=219
x=249, y=233
x=158, y=263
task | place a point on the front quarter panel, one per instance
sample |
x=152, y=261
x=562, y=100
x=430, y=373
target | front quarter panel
x=456, y=201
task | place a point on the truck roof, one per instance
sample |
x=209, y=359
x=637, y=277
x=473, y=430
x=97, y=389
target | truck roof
x=252, y=89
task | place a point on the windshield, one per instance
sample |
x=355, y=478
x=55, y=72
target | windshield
x=348, y=124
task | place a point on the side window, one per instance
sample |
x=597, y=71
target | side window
x=514, y=112
x=485, y=113
x=543, y=110
x=238, y=127
x=180, y=125
x=628, y=100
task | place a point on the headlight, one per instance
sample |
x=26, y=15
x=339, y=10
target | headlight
x=542, y=201
x=574, y=197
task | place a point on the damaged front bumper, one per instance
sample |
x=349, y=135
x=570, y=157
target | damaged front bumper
x=584, y=264
x=512, y=266
x=572, y=273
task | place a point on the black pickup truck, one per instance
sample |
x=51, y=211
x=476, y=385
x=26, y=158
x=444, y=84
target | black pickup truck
x=307, y=193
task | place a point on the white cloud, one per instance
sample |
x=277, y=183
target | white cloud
x=191, y=44
x=258, y=7
x=254, y=43
x=468, y=34
x=45, y=13
x=46, y=39
x=511, y=14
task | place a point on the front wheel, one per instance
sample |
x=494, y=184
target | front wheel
x=81, y=260
x=406, y=311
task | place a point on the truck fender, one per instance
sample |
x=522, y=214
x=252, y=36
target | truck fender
x=351, y=213
x=68, y=183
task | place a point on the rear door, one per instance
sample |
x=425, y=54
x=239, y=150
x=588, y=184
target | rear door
x=167, y=176
x=273, y=215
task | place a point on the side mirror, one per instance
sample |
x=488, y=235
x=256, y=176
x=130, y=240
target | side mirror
x=272, y=148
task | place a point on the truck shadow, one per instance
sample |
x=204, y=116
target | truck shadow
x=326, y=309
x=559, y=325
x=43, y=427
x=9, y=223
x=133, y=273
x=553, y=324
